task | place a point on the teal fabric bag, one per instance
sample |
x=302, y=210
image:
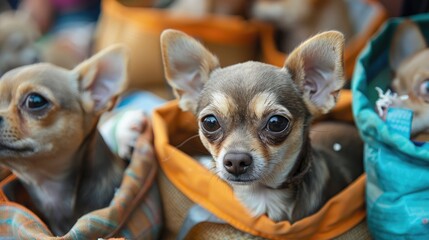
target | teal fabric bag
x=397, y=168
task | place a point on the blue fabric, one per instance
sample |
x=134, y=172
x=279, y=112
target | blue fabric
x=143, y=100
x=397, y=168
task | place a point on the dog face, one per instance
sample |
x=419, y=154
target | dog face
x=253, y=117
x=17, y=41
x=46, y=111
x=408, y=60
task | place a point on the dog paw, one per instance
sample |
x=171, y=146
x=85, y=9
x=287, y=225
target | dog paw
x=122, y=129
x=131, y=126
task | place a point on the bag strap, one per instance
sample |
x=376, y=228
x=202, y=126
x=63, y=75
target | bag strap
x=146, y=186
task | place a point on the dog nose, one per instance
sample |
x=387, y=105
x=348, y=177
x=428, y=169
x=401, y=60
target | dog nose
x=237, y=163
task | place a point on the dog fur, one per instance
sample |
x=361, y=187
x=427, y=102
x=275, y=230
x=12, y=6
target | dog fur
x=49, y=137
x=255, y=119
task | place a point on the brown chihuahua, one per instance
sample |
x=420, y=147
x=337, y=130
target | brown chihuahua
x=408, y=60
x=255, y=118
x=49, y=137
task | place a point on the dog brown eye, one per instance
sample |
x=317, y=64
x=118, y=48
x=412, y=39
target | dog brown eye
x=35, y=101
x=210, y=123
x=277, y=123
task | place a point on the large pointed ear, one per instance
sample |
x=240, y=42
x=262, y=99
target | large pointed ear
x=187, y=66
x=317, y=68
x=102, y=78
x=407, y=40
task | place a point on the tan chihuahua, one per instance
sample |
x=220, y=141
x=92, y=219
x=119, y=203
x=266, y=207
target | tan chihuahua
x=18, y=35
x=49, y=137
x=409, y=56
x=255, y=118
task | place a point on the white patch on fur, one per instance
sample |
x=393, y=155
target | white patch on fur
x=262, y=200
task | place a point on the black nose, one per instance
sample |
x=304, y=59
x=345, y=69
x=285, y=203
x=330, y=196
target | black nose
x=237, y=163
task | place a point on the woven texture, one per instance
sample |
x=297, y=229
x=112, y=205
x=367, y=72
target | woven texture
x=175, y=207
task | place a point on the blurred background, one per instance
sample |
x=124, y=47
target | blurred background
x=65, y=32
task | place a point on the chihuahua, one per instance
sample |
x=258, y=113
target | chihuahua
x=49, y=137
x=408, y=55
x=18, y=35
x=255, y=118
x=297, y=20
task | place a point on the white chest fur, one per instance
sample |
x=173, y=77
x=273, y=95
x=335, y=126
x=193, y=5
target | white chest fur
x=276, y=203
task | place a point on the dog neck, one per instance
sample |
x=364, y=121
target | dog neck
x=294, y=197
x=300, y=169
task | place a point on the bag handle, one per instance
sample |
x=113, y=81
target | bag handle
x=139, y=152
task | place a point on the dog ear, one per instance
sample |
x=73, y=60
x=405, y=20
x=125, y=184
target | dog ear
x=317, y=68
x=407, y=40
x=102, y=78
x=187, y=66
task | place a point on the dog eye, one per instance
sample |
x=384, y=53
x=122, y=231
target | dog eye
x=210, y=123
x=424, y=87
x=35, y=101
x=277, y=123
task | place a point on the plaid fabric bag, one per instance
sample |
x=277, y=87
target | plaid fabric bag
x=138, y=189
x=397, y=168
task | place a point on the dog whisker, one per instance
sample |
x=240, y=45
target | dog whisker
x=186, y=141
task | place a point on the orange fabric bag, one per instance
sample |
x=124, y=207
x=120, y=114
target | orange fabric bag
x=183, y=182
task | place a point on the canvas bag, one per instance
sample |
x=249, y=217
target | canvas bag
x=187, y=188
x=397, y=168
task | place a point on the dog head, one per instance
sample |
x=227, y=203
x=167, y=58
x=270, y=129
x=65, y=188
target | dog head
x=46, y=112
x=17, y=41
x=408, y=60
x=253, y=117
